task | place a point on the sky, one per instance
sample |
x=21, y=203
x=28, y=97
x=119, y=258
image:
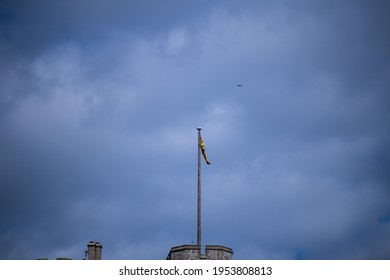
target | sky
x=100, y=103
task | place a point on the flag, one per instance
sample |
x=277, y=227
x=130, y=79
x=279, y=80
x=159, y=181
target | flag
x=203, y=148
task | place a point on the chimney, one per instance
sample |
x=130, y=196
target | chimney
x=98, y=251
x=94, y=250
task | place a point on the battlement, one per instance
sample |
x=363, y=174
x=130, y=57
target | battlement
x=195, y=252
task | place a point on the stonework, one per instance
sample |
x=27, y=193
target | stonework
x=94, y=250
x=193, y=252
x=218, y=252
x=185, y=252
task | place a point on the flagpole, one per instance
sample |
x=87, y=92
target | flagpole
x=199, y=235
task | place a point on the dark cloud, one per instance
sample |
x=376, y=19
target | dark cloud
x=99, y=105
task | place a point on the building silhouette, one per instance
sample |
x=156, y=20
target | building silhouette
x=93, y=252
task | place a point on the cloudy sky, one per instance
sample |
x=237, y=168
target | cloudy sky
x=99, y=105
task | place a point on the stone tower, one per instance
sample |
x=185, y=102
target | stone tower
x=194, y=252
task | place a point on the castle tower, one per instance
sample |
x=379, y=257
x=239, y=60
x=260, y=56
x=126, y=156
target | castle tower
x=193, y=252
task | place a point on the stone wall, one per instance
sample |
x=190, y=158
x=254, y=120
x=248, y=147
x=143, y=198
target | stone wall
x=218, y=252
x=185, y=252
x=193, y=252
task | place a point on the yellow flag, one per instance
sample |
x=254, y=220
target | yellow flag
x=203, y=148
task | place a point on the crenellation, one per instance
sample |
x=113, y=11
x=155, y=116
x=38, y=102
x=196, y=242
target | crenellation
x=193, y=252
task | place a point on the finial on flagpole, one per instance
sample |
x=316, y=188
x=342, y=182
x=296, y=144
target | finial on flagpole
x=199, y=128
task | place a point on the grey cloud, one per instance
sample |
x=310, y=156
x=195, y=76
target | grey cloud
x=98, y=119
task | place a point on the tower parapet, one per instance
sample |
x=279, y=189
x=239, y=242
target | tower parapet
x=194, y=252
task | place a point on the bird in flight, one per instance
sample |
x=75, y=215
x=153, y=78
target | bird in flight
x=239, y=85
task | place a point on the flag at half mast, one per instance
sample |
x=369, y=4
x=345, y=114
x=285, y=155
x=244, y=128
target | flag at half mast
x=203, y=148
